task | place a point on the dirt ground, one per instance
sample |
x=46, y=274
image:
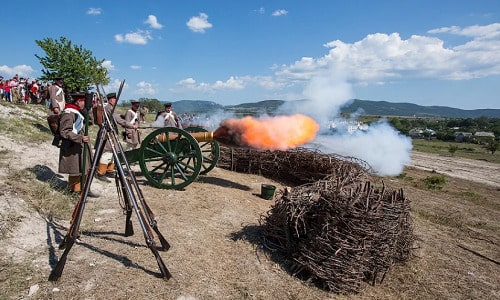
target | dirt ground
x=212, y=226
x=468, y=169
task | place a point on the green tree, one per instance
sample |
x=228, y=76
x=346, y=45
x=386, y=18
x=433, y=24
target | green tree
x=483, y=122
x=492, y=146
x=77, y=65
x=152, y=104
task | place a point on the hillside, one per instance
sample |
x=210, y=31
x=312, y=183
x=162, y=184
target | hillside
x=409, y=109
x=365, y=107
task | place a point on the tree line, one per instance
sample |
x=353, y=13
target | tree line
x=446, y=129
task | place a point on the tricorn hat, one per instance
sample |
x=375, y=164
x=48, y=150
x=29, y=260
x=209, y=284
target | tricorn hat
x=59, y=78
x=135, y=103
x=111, y=95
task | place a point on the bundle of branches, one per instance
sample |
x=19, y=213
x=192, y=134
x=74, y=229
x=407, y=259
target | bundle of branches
x=295, y=167
x=339, y=235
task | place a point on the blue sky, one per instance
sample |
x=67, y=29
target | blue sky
x=424, y=52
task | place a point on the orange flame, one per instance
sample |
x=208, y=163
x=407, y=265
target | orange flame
x=270, y=133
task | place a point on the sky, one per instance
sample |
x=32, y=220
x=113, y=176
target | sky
x=444, y=53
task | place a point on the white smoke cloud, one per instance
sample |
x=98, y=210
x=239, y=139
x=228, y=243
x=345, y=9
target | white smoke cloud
x=380, y=145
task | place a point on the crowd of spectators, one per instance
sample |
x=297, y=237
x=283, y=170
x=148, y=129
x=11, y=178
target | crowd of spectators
x=22, y=90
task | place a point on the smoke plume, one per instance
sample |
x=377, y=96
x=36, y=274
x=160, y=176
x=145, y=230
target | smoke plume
x=380, y=145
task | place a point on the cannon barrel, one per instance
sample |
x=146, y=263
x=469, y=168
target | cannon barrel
x=206, y=136
x=220, y=135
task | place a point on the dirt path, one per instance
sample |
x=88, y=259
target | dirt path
x=468, y=169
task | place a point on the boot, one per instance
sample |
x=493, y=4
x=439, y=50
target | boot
x=110, y=170
x=101, y=173
x=74, y=185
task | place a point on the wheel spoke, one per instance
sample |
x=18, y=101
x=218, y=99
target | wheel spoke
x=170, y=158
x=181, y=172
x=158, y=167
x=186, y=165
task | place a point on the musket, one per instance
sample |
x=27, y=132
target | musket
x=126, y=177
x=148, y=212
x=73, y=232
x=144, y=216
x=88, y=106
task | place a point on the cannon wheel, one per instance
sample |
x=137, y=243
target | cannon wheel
x=210, y=151
x=170, y=162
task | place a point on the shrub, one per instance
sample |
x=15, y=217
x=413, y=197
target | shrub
x=452, y=149
x=434, y=182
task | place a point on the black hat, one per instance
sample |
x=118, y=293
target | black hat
x=135, y=103
x=111, y=95
x=168, y=104
x=75, y=96
x=58, y=78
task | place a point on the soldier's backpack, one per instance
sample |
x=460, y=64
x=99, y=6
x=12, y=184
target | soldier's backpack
x=53, y=121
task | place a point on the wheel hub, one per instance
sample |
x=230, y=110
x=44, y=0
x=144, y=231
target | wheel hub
x=170, y=158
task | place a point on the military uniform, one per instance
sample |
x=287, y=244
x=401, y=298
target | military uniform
x=56, y=95
x=170, y=117
x=71, y=129
x=106, y=164
x=132, y=135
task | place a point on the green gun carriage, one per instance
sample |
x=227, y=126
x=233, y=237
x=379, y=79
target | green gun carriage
x=172, y=158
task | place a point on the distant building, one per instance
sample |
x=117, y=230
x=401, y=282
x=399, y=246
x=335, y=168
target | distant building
x=463, y=136
x=483, y=134
x=417, y=133
x=348, y=126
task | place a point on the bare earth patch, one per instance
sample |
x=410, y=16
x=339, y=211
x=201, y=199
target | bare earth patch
x=468, y=169
x=212, y=226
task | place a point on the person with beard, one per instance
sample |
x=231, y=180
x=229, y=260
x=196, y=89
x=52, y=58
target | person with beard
x=72, y=128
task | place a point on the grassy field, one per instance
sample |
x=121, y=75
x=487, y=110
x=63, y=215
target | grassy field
x=466, y=150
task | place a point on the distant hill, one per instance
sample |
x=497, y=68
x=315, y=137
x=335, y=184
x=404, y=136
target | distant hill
x=364, y=107
x=195, y=106
x=385, y=108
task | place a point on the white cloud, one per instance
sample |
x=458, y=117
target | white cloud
x=135, y=67
x=108, y=65
x=21, y=70
x=279, y=12
x=380, y=58
x=187, y=82
x=262, y=10
x=487, y=31
x=233, y=83
x=199, y=24
x=269, y=82
x=94, y=11
x=140, y=37
x=145, y=88
x=114, y=86
x=153, y=22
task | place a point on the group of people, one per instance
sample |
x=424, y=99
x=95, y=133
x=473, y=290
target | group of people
x=74, y=138
x=22, y=90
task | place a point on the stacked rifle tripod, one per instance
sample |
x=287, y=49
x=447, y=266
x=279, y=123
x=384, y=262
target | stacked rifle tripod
x=128, y=190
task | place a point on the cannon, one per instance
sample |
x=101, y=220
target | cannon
x=172, y=158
